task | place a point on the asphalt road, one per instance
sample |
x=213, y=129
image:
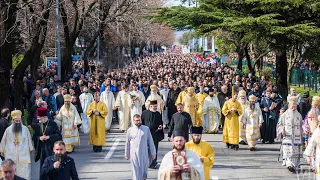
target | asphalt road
x=229, y=164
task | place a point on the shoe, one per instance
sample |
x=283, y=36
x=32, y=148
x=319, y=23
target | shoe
x=242, y=142
x=263, y=142
x=291, y=169
x=283, y=162
x=228, y=145
x=236, y=147
x=251, y=149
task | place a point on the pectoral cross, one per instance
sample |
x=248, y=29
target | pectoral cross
x=16, y=142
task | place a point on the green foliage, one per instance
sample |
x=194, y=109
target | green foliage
x=186, y=37
x=16, y=60
x=266, y=72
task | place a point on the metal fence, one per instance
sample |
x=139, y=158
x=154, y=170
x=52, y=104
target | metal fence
x=305, y=78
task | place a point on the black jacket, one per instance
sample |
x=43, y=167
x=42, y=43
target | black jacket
x=153, y=120
x=16, y=178
x=66, y=171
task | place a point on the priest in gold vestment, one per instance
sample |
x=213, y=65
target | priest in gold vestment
x=184, y=92
x=201, y=96
x=231, y=110
x=97, y=111
x=203, y=150
x=155, y=96
x=69, y=118
x=212, y=113
x=180, y=163
x=16, y=144
x=191, y=105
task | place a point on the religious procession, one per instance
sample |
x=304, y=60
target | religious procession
x=156, y=99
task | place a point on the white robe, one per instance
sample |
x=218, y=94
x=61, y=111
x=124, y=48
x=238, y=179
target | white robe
x=109, y=100
x=212, y=113
x=164, y=93
x=313, y=151
x=139, y=147
x=70, y=136
x=155, y=96
x=136, y=106
x=124, y=111
x=85, y=99
x=20, y=154
x=291, y=143
x=192, y=159
x=252, y=120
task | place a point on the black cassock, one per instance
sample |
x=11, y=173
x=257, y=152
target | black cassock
x=153, y=120
x=268, y=128
x=171, y=102
x=45, y=149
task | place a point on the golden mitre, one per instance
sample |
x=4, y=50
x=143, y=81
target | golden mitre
x=242, y=93
x=67, y=97
x=190, y=90
x=153, y=87
x=16, y=114
x=252, y=98
x=316, y=100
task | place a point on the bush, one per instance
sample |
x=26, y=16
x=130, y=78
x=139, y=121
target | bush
x=266, y=72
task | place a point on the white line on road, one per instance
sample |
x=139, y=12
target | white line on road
x=114, y=146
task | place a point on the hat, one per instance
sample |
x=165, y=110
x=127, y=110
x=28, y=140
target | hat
x=190, y=89
x=306, y=94
x=252, y=98
x=42, y=112
x=242, y=93
x=153, y=87
x=67, y=97
x=177, y=133
x=315, y=100
x=196, y=129
x=153, y=102
x=293, y=100
x=211, y=90
x=16, y=114
x=275, y=90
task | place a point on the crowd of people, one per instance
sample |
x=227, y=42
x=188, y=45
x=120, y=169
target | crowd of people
x=151, y=94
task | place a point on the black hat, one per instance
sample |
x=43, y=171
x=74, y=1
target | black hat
x=177, y=133
x=306, y=94
x=196, y=129
x=274, y=90
x=211, y=90
x=153, y=102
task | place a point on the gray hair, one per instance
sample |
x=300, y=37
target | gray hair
x=8, y=162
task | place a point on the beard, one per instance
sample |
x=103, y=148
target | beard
x=196, y=141
x=179, y=149
x=17, y=127
x=242, y=101
x=315, y=111
x=60, y=157
x=252, y=106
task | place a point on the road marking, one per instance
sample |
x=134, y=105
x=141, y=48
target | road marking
x=111, y=151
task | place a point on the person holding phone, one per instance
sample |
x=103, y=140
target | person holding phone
x=153, y=119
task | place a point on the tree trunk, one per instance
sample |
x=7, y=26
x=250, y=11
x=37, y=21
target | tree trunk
x=240, y=57
x=246, y=52
x=281, y=70
x=7, y=16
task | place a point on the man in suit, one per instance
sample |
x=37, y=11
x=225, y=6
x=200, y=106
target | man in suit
x=59, y=166
x=8, y=170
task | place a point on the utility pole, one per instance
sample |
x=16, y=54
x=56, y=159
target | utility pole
x=58, y=38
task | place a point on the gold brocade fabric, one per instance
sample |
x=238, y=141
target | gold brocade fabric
x=192, y=175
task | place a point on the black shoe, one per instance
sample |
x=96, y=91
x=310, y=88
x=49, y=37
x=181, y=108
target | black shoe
x=108, y=131
x=271, y=142
x=242, y=142
x=228, y=145
x=291, y=169
x=251, y=149
x=263, y=142
x=236, y=147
